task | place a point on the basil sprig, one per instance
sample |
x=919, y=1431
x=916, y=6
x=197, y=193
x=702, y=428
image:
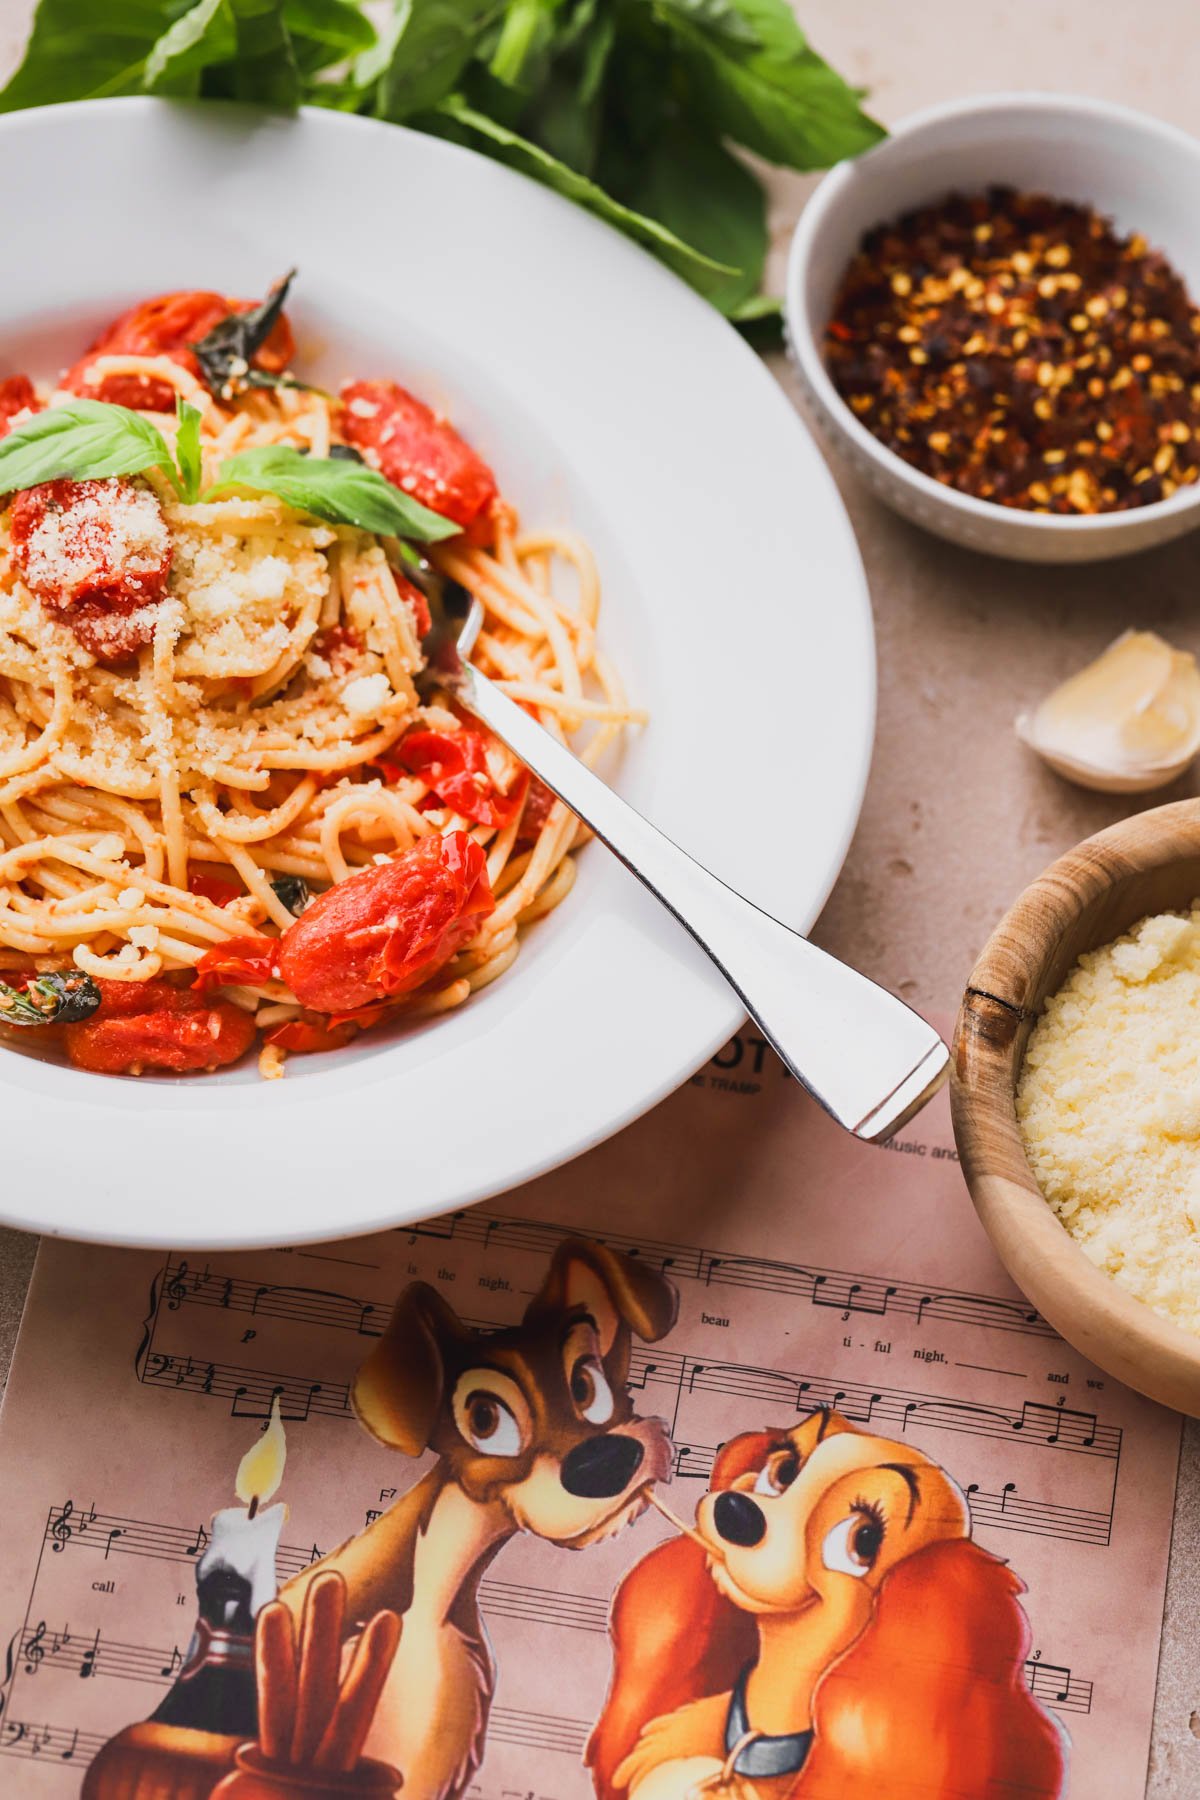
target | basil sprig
x=89, y=440
x=49, y=1000
x=630, y=108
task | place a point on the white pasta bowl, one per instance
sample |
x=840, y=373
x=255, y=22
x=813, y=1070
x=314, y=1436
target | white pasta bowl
x=1134, y=170
x=605, y=394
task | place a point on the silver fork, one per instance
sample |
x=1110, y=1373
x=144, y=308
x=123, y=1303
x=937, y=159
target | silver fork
x=865, y=1056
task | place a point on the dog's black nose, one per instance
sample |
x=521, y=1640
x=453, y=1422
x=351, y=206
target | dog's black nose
x=601, y=1466
x=738, y=1520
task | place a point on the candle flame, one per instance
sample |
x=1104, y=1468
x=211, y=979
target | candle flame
x=261, y=1469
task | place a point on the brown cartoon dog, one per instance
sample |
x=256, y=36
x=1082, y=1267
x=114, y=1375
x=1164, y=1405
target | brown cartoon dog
x=830, y=1632
x=534, y=1431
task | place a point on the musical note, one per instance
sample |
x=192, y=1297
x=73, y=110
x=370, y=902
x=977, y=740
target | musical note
x=116, y=1532
x=176, y=1662
x=69, y=1752
x=87, y=1663
x=201, y=1541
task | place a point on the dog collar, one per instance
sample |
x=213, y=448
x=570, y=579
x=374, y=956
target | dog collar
x=761, y=1756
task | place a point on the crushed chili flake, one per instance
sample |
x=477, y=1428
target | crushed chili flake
x=1013, y=346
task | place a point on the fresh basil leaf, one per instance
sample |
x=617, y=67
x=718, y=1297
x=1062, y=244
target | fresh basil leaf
x=702, y=271
x=345, y=493
x=204, y=35
x=226, y=354
x=85, y=439
x=337, y=25
x=710, y=199
x=780, y=98
x=78, y=50
x=423, y=52
x=718, y=19
x=50, y=1000
x=187, y=450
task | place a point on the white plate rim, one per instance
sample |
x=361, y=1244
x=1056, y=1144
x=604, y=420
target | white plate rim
x=203, y=1223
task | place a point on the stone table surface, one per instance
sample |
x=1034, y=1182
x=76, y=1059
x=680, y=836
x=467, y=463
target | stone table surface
x=964, y=641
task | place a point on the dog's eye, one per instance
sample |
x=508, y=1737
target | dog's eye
x=489, y=1426
x=779, y=1473
x=590, y=1391
x=853, y=1546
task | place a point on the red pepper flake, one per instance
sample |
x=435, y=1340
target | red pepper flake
x=1014, y=347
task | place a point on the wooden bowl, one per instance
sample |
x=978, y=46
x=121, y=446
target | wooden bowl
x=1147, y=864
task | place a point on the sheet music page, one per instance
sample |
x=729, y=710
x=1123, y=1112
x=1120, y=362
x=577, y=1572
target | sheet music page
x=811, y=1272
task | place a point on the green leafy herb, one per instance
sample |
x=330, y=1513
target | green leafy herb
x=291, y=891
x=187, y=451
x=82, y=440
x=634, y=109
x=345, y=493
x=49, y=1000
x=226, y=354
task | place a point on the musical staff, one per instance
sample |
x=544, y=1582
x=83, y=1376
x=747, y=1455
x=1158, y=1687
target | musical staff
x=1051, y=1682
x=1006, y=1510
x=18, y=1737
x=251, y=1391
x=837, y=1290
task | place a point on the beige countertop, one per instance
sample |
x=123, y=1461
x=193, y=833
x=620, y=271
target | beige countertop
x=957, y=816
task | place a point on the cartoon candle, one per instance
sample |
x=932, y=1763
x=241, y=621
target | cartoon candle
x=235, y=1578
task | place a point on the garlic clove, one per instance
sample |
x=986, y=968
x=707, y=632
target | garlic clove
x=1128, y=722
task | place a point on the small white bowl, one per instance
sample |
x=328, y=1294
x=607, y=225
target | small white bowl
x=1143, y=175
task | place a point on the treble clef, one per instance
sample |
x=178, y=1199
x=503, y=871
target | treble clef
x=176, y=1290
x=60, y=1531
x=34, y=1650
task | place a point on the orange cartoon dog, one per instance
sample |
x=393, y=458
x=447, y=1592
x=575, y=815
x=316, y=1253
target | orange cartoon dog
x=829, y=1633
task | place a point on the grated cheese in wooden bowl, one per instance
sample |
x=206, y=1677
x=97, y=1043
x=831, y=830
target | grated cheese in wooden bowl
x=1108, y=1104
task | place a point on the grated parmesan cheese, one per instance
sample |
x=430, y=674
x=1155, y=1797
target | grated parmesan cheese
x=366, y=694
x=1109, y=1108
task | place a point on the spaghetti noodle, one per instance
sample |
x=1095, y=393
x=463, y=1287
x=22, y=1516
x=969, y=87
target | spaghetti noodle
x=266, y=741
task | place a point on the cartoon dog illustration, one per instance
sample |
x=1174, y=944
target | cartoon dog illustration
x=829, y=1633
x=533, y=1431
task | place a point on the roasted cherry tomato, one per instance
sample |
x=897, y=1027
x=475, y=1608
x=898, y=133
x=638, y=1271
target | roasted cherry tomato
x=538, y=802
x=455, y=766
x=152, y=1025
x=300, y=1037
x=97, y=552
x=402, y=438
x=16, y=395
x=166, y=326
x=239, y=961
x=213, y=887
x=387, y=929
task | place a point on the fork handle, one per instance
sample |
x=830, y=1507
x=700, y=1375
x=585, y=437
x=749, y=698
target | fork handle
x=865, y=1056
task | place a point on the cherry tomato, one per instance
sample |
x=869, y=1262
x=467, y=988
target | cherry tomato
x=166, y=326
x=455, y=766
x=242, y=961
x=152, y=1025
x=402, y=438
x=388, y=928
x=303, y=1037
x=98, y=552
x=538, y=802
x=16, y=395
x=213, y=887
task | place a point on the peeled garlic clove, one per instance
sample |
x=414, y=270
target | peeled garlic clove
x=1127, y=723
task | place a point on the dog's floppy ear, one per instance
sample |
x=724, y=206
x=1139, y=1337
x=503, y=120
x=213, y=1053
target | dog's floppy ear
x=616, y=1290
x=398, y=1388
